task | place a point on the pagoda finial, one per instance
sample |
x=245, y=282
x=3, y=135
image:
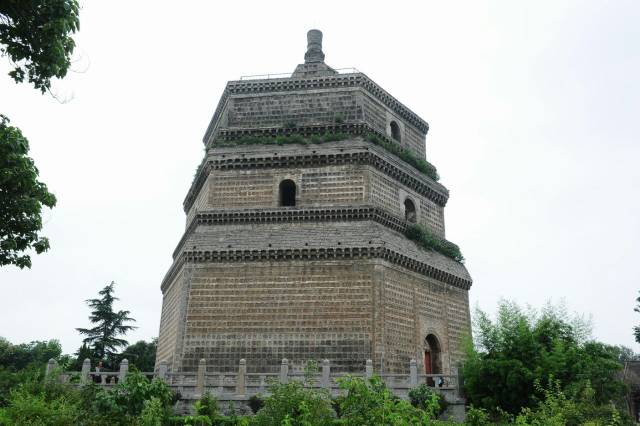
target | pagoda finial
x=314, y=47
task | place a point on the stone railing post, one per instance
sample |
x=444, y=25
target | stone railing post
x=284, y=371
x=86, y=369
x=368, y=370
x=163, y=368
x=241, y=387
x=51, y=367
x=413, y=373
x=325, y=380
x=202, y=366
x=124, y=369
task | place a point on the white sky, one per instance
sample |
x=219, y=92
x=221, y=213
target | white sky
x=533, y=108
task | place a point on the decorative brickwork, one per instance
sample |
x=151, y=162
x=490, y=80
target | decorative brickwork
x=298, y=251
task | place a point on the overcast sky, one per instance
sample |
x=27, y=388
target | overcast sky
x=533, y=110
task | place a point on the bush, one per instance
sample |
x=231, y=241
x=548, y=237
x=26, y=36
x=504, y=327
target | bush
x=190, y=421
x=520, y=348
x=371, y=403
x=293, y=403
x=26, y=408
x=255, y=403
x=207, y=406
x=425, y=398
x=423, y=237
x=407, y=156
x=476, y=417
x=127, y=399
x=153, y=412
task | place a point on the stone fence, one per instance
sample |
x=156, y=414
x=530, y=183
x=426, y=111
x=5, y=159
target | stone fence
x=238, y=386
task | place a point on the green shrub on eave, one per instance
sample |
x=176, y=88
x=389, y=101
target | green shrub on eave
x=406, y=156
x=427, y=240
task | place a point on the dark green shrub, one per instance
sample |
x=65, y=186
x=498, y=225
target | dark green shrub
x=425, y=398
x=296, y=404
x=207, y=406
x=370, y=402
x=255, y=403
x=476, y=417
x=27, y=408
x=190, y=421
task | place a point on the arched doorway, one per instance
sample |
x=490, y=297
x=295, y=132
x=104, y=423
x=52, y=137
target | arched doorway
x=432, y=358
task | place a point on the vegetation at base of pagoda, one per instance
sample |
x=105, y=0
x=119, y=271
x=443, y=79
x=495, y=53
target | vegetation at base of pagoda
x=104, y=338
x=138, y=401
x=407, y=156
x=523, y=359
x=426, y=239
x=526, y=368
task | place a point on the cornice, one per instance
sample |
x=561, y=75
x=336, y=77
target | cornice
x=371, y=155
x=292, y=215
x=315, y=254
x=356, y=80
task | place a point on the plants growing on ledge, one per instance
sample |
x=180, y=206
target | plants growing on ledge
x=284, y=139
x=420, y=164
x=426, y=239
x=406, y=156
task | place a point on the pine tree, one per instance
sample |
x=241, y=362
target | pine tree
x=103, y=339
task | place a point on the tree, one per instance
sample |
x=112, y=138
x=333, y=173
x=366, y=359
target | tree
x=521, y=348
x=104, y=338
x=35, y=36
x=21, y=199
x=636, y=329
x=141, y=354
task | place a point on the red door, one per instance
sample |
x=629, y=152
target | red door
x=427, y=363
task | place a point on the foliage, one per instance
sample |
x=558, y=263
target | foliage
x=636, y=329
x=22, y=196
x=255, y=403
x=293, y=403
x=207, y=406
x=26, y=408
x=477, y=417
x=190, y=421
x=369, y=402
x=284, y=139
x=425, y=398
x=558, y=409
x=428, y=240
x=103, y=338
x=84, y=352
x=520, y=348
x=153, y=412
x=141, y=354
x=36, y=37
x=127, y=398
x=405, y=155
x=24, y=362
x=18, y=357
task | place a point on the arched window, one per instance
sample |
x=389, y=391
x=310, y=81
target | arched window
x=395, y=131
x=409, y=211
x=432, y=356
x=287, y=193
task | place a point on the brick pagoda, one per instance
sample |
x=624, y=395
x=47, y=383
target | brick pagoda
x=295, y=243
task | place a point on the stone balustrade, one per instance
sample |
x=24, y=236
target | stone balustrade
x=241, y=385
